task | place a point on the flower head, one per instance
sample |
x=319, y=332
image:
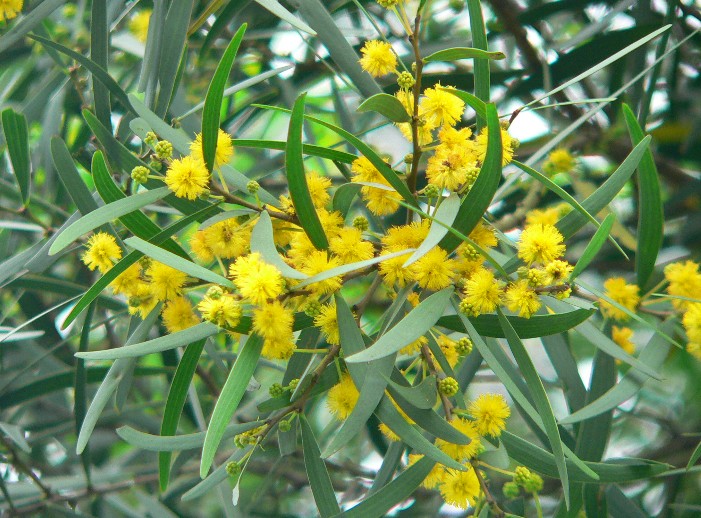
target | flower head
x=462, y=452
x=434, y=477
x=10, y=8
x=273, y=321
x=378, y=58
x=318, y=262
x=103, y=251
x=349, y=246
x=521, y=299
x=439, y=106
x=434, y=271
x=460, y=488
x=482, y=293
x=540, y=244
x=187, y=177
x=684, y=281
x=224, y=152
x=559, y=161
x=342, y=397
x=166, y=282
x=622, y=336
x=257, y=280
x=508, y=146
x=178, y=315
x=327, y=321
x=490, y=413
x=627, y=295
x=224, y=311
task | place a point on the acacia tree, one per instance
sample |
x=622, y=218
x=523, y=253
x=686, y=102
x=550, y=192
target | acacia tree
x=393, y=257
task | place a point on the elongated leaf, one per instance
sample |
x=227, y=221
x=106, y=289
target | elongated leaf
x=475, y=204
x=344, y=196
x=471, y=100
x=479, y=40
x=387, y=105
x=170, y=443
x=396, y=491
x=594, y=245
x=215, y=95
x=319, y=479
x=99, y=53
x=542, y=403
x=229, y=399
x=177, y=137
x=694, y=457
x=457, y=53
x=156, y=345
x=443, y=218
x=422, y=396
x=278, y=10
x=409, y=329
x=307, y=149
x=172, y=53
x=297, y=179
x=28, y=22
x=16, y=434
x=175, y=403
x=105, y=214
x=70, y=177
x=263, y=243
x=174, y=261
x=573, y=221
x=80, y=390
x=534, y=327
x=650, y=213
x=14, y=127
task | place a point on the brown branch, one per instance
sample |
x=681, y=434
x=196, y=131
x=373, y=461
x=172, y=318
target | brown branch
x=231, y=198
x=490, y=498
x=21, y=466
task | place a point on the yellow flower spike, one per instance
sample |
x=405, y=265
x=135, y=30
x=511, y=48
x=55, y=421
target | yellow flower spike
x=483, y=293
x=224, y=311
x=521, y=299
x=257, y=280
x=378, y=58
x=441, y=107
x=273, y=321
x=434, y=271
x=342, y=397
x=187, y=177
x=462, y=452
x=227, y=239
x=540, y=244
x=627, y=295
x=349, y=246
x=103, y=251
x=166, y=282
x=490, y=413
x=223, y=154
x=178, y=315
x=9, y=9
x=460, y=488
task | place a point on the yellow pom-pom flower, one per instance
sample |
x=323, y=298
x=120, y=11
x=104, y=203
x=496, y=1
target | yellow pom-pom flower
x=318, y=262
x=434, y=477
x=178, y=315
x=490, y=413
x=462, y=452
x=224, y=311
x=508, y=146
x=692, y=322
x=166, y=282
x=103, y=251
x=483, y=293
x=318, y=188
x=273, y=321
x=521, y=299
x=627, y=295
x=434, y=271
x=227, y=239
x=141, y=300
x=349, y=246
x=622, y=337
x=559, y=161
x=223, y=154
x=540, y=244
x=378, y=58
x=684, y=281
x=460, y=488
x=439, y=106
x=127, y=281
x=187, y=177
x=342, y=397
x=327, y=321
x=139, y=23
x=10, y=8
x=257, y=280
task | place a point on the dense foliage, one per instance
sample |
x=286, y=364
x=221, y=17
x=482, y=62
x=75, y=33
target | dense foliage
x=398, y=257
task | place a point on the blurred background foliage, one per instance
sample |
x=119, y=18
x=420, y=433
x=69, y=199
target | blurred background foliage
x=49, y=58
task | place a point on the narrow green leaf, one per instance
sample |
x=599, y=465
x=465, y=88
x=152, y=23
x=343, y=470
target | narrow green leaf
x=175, y=403
x=471, y=100
x=278, y=10
x=319, y=479
x=297, y=179
x=177, y=137
x=479, y=40
x=99, y=53
x=80, y=404
x=170, y=443
x=596, y=202
x=177, y=262
x=650, y=212
x=156, y=345
x=542, y=403
x=398, y=490
x=475, y=204
x=14, y=127
x=214, y=97
x=593, y=247
x=229, y=399
x=307, y=149
x=619, y=505
x=422, y=396
x=694, y=457
x=456, y=53
x=70, y=177
x=16, y=435
x=28, y=22
x=262, y=242
x=444, y=217
x=387, y=105
x=344, y=196
x=410, y=328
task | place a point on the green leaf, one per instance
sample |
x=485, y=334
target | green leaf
x=596, y=202
x=542, y=403
x=156, y=345
x=653, y=356
x=619, y=505
x=593, y=247
x=297, y=179
x=177, y=137
x=387, y=105
x=175, y=403
x=650, y=212
x=28, y=22
x=444, y=217
x=105, y=214
x=477, y=201
x=278, y=10
x=96, y=70
x=80, y=388
x=307, y=149
x=16, y=435
x=422, y=396
x=70, y=177
x=479, y=40
x=472, y=101
x=177, y=262
x=99, y=53
x=344, y=196
x=214, y=97
x=319, y=479
x=694, y=457
x=262, y=242
x=398, y=490
x=456, y=53
x=229, y=399
x=410, y=328
x=170, y=443
x=14, y=127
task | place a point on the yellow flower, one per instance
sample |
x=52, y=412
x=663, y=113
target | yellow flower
x=273, y=321
x=540, y=244
x=453, y=137
x=449, y=349
x=559, y=161
x=257, y=280
x=327, y=321
x=434, y=271
x=622, y=336
x=318, y=262
x=166, y=282
x=434, y=477
x=393, y=271
x=460, y=488
x=694, y=349
x=547, y=216
x=138, y=25
x=318, y=188
x=127, y=281
x=441, y=107
x=406, y=236
x=692, y=322
x=521, y=299
x=224, y=152
x=449, y=168
x=103, y=251
x=349, y=246
x=278, y=348
x=462, y=452
x=178, y=315
x=490, y=413
x=342, y=397
x=482, y=293
x=10, y=8
x=227, y=239
x=187, y=177
x=558, y=271
x=199, y=247
x=684, y=281
x=378, y=58
x=508, y=145
x=414, y=347
x=387, y=431
x=484, y=236
x=141, y=300
x=627, y=295
x=224, y=311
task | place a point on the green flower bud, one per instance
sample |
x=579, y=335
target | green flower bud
x=361, y=223
x=448, y=386
x=155, y=165
x=285, y=426
x=252, y=187
x=522, y=475
x=139, y=174
x=534, y=484
x=151, y=139
x=432, y=190
x=233, y=468
x=470, y=253
x=388, y=4
x=215, y=292
x=276, y=390
x=293, y=384
x=511, y=490
x=164, y=150
x=312, y=308
x=406, y=80
x=464, y=346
